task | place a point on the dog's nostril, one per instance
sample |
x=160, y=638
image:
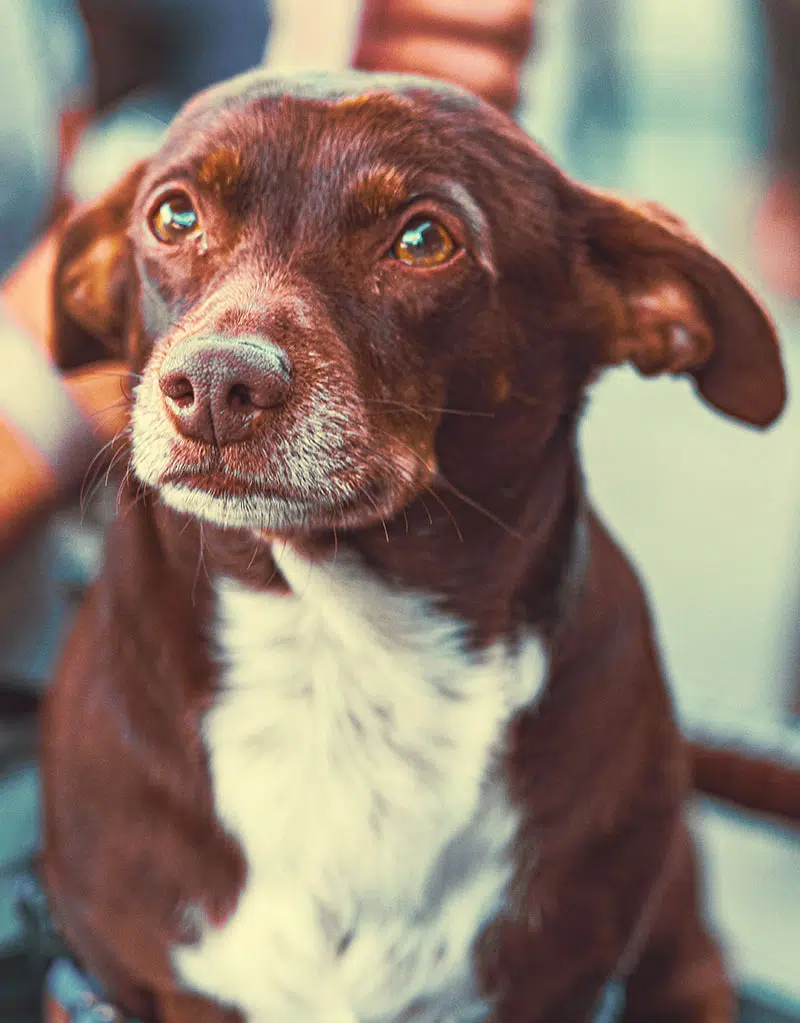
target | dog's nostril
x=259, y=387
x=178, y=388
x=239, y=397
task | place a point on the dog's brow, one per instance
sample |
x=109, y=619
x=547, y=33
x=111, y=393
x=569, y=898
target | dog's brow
x=176, y=173
x=221, y=170
x=380, y=191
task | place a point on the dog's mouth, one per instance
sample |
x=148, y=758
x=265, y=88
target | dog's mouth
x=269, y=506
x=217, y=485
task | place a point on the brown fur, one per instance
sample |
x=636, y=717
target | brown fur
x=554, y=282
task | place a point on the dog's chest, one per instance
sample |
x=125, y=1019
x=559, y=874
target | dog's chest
x=353, y=755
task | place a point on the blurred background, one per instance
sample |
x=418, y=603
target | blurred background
x=690, y=102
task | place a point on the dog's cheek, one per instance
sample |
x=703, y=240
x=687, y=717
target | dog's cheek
x=169, y=285
x=428, y=314
x=140, y=339
x=150, y=437
x=155, y=314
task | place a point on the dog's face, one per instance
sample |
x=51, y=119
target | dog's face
x=335, y=291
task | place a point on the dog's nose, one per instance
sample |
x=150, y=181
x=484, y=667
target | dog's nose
x=217, y=389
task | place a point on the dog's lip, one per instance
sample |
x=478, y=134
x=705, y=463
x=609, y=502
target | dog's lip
x=324, y=515
x=218, y=484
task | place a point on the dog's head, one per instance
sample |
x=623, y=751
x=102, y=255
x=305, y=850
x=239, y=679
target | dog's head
x=335, y=290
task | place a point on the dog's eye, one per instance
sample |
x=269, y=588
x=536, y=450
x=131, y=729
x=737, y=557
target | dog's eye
x=174, y=219
x=424, y=242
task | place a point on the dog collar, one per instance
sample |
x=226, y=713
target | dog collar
x=74, y=997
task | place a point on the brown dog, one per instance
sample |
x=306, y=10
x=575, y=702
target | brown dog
x=364, y=720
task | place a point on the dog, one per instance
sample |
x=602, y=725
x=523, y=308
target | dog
x=364, y=719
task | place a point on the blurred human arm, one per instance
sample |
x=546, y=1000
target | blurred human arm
x=481, y=46
x=51, y=427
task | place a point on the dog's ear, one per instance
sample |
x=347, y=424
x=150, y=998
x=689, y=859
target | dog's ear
x=674, y=307
x=91, y=278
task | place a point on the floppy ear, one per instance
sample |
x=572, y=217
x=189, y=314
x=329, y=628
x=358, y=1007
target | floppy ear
x=91, y=276
x=676, y=308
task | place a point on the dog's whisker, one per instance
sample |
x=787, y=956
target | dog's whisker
x=450, y=514
x=432, y=492
x=100, y=372
x=100, y=483
x=374, y=504
x=141, y=489
x=139, y=497
x=273, y=574
x=421, y=409
x=115, y=460
x=92, y=479
x=254, y=555
x=203, y=549
x=119, y=403
x=275, y=560
x=123, y=483
x=123, y=488
x=99, y=454
x=200, y=564
x=399, y=407
x=478, y=507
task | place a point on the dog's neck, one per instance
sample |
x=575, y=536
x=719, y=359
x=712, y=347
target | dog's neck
x=494, y=557
x=494, y=560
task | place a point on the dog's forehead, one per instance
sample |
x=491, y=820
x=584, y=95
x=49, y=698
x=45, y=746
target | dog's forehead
x=330, y=88
x=385, y=107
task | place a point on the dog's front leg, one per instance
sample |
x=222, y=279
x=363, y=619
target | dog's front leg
x=680, y=976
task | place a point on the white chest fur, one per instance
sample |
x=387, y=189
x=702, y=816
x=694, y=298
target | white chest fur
x=351, y=754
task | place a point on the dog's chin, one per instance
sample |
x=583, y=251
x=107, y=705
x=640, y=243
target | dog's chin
x=275, y=515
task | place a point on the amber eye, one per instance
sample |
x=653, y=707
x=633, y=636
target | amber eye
x=175, y=219
x=424, y=242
